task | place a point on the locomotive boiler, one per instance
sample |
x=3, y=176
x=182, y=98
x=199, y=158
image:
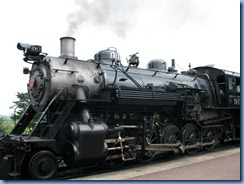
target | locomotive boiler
x=98, y=111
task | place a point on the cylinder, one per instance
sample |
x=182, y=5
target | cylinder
x=67, y=47
x=87, y=144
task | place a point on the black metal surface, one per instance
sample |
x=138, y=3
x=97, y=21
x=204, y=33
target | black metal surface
x=58, y=119
x=43, y=165
x=85, y=143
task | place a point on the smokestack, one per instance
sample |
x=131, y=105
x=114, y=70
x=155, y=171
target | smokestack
x=67, y=47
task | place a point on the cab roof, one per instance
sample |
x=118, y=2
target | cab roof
x=213, y=72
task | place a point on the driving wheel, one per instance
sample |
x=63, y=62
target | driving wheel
x=151, y=137
x=191, y=136
x=170, y=134
x=209, y=135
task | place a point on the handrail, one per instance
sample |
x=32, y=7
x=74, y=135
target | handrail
x=45, y=111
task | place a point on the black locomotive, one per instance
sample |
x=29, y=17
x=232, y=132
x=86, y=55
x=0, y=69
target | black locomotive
x=99, y=111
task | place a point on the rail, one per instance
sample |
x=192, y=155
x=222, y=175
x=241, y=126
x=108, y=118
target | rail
x=45, y=111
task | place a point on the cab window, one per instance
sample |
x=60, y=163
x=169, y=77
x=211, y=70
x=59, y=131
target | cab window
x=232, y=83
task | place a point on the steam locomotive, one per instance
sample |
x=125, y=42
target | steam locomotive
x=99, y=111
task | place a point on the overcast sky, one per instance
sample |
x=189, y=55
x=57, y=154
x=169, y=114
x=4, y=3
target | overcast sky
x=200, y=32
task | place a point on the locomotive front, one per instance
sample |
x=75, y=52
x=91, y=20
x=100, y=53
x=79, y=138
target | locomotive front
x=49, y=75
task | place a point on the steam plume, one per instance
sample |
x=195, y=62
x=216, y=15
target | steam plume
x=117, y=15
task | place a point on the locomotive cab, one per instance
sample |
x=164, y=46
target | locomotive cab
x=229, y=90
x=225, y=84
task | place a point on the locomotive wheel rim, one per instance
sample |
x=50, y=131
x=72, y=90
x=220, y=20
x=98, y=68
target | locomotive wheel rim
x=43, y=165
x=209, y=135
x=171, y=134
x=191, y=136
x=151, y=137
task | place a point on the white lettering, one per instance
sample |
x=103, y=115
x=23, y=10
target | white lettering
x=237, y=101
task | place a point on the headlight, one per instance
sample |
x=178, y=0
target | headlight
x=29, y=50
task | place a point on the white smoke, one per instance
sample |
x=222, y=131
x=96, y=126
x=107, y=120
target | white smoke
x=117, y=15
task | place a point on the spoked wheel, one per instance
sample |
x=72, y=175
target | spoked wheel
x=191, y=136
x=170, y=134
x=209, y=135
x=151, y=137
x=43, y=165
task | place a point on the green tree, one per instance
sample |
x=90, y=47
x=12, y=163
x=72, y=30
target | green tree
x=19, y=106
x=6, y=124
x=2, y=124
